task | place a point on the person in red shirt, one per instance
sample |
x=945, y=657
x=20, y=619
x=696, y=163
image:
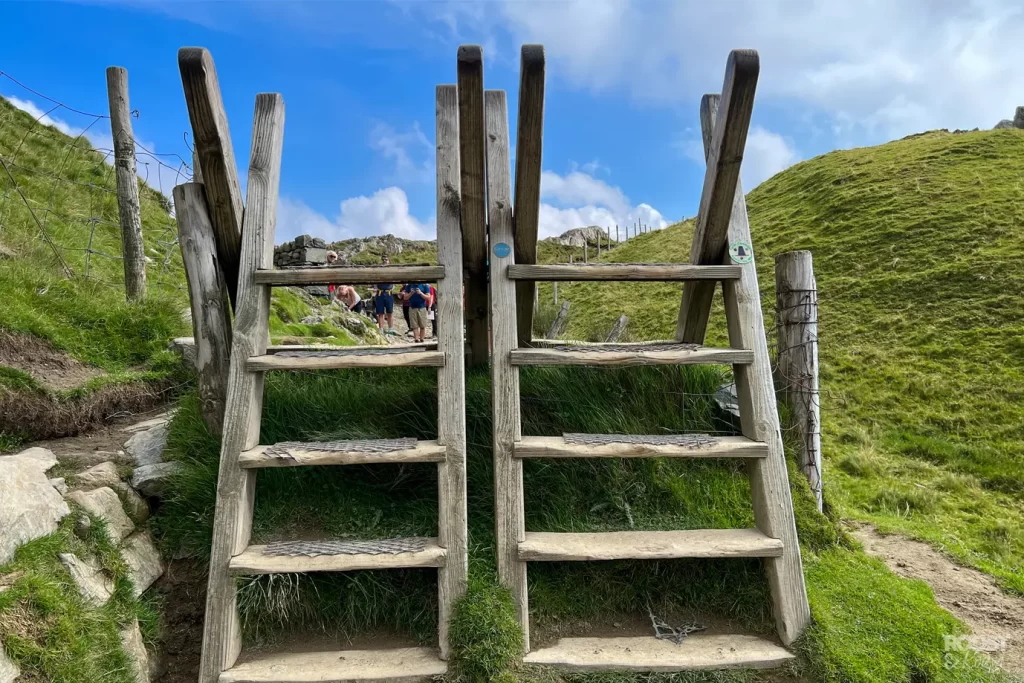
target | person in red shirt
x=432, y=311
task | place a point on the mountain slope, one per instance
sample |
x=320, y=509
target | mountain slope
x=918, y=258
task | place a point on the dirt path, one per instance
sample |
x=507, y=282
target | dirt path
x=995, y=618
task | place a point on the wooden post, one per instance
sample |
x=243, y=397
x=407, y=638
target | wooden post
x=208, y=295
x=759, y=417
x=474, y=208
x=616, y=233
x=509, y=520
x=599, y=245
x=710, y=234
x=586, y=251
x=554, y=287
x=128, y=208
x=796, y=316
x=526, y=209
x=216, y=158
x=197, y=172
x=618, y=328
x=232, y=523
x=559, y=323
x=451, y=378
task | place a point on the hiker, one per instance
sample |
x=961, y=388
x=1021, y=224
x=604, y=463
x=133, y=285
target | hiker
x=405, y=305
x=332, y=260
x=384, y=302
x=348, y=295
x=432, y=312
x=418, y=296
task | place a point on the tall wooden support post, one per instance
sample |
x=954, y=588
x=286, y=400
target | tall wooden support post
x=451, y=378
x=529, y=144
x=720, y=182
x=128, y=208
x=509, y=520
x=211, y=315
x=216, y=158
x=197, y=172
x=474, y=208
x=616, y=233
x=232, y=522
x=796, y=316
x=759, y=417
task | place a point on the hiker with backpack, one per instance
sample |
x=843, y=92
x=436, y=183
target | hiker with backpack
x=384, y=302
x=418, y=297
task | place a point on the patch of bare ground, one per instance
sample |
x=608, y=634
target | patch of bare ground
x=106, y=442
x=48, y=365
x=995, y=618
x=183, y=587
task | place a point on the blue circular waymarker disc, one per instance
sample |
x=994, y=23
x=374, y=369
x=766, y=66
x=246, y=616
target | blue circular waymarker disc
x=501, y=250
x=741, y=252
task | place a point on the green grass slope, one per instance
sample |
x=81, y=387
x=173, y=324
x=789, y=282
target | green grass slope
x=918, y=260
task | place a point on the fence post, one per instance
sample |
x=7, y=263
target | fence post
x=618, y=328
x=197, y=173
x=128, y=207
x=586, y=252
x=208, y=295
x=598, y=244
x=554, y=286
x=796, y=314
x=560, y=321
x=616, y=233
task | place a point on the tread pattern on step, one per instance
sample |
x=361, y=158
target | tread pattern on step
x=283, y=449
x=339, y=556
x=685, y=440
x=383, y=546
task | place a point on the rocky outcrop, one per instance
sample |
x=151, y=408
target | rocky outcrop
x=143, y=559
x=30, y=506
x=301, y=251
x=131, y=642
x=578, y=237
x=104, y=504
x=93, y=584
x=98, y=476
x=151, y=480
x=147, y=447
x=1017, y=122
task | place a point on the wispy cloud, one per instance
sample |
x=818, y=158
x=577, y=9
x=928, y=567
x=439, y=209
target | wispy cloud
x=578, y=200
x=384, y=212
x=411, y=152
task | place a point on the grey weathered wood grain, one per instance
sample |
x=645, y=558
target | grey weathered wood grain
x=618, y=328
x=633, y=357
x=254, y=560
x=721, y=181
x=622, y=272
x=560, y=322
x=395, y=665
x=208, y=296
x=212, y=141
x=128, y=208
x=235, y=486
x=529, y=147
x=759, y=420
x=309, y=455
x=647, y=545
x=473, y=207
x=197, y=171
x=509, y=519
x=558, y=447
x=350, y=275
x=414, y=358
x=451, y=379
x=796, y=320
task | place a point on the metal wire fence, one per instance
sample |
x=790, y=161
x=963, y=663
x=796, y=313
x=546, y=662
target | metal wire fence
x=58, y=188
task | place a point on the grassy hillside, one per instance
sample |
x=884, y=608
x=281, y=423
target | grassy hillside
x=918, y=260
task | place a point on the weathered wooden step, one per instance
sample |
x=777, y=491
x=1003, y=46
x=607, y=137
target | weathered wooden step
x=348, y=357
x=635, y=446
x=400, y=665
x=350, y=452
x=622, y=272
x=650, y=654
x=630, y=354
x=285, y=557
x=349, y=275
x=647, y=545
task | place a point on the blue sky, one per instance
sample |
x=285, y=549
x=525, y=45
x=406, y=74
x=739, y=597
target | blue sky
x=624, y=79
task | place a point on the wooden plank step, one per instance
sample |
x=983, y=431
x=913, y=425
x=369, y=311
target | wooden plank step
x=338, y=556
x=353, y=452
x=349, y=275
x=627, y=446
x=278, y=348
x=647, y=545
x=627, y=354
x=347, y=357
x=622, y=272
x=701, y=651
x=399, y=665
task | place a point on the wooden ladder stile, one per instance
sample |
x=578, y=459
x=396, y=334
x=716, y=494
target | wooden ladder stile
x=242, y=456
x=722, y=222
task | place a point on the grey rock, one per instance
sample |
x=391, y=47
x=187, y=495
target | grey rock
x=151, y=480
x=134, y=504
x=131, y=642
x=184, y=347
x=145, y=565
x=60, y=485
x=82, y=526
x=30, y=506
x=1018, y=118
x=9, y=671
x=1004, y=124
x=147, y=447
x=160, y=419
x=104, y=504
x=94, y=585
x=98, y=476
x=727, y=400
x=314, y=319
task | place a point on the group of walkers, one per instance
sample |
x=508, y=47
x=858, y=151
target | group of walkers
x=418, y=299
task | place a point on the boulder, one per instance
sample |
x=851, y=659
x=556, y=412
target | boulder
x=131, y=643
x=143, y=559
x=186, y=348
x=161, y=419
x=147, y=447
x=1018, y=118
x=9, y=671
x=61, y=485
x=1004, y=124
x=151, y=479
x=104, y=504
x=98, y=476
x=30, y=506
x=134, y=504
x=94, y=585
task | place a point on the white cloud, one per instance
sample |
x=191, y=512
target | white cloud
x=766, y=154
x=411, y=152
x=386, y=212
x=578, y=200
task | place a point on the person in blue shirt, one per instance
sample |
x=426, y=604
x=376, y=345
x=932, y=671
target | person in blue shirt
x=418, y=296
x=384, y=302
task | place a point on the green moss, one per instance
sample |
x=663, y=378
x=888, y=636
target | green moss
x=485, y=634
